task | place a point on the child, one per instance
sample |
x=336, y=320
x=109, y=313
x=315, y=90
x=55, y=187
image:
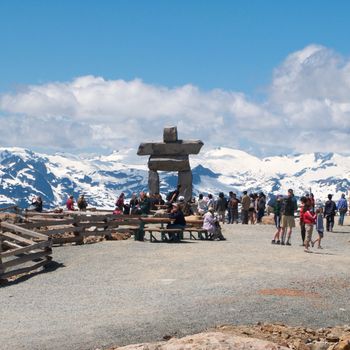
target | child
x=319, y=227
x=309, y=219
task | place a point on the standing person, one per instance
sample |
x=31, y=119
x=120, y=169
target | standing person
x=37, y=203
x=319, y=227
x=233, y=209
x=229, y=211
x=309, y=218
x=288, y=221
x=304, y=202
x=210, y=202
x=252, y=208
x=70, y=203
x=82, y=203
x=220, y=207
x=277, y=211
x=261, y=207
x=329, y=213
x=312, y=201
x=202, y=207
x=245, y=208
x=342, y=208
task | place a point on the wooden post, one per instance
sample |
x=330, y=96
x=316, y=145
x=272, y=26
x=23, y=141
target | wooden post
x=1, y=266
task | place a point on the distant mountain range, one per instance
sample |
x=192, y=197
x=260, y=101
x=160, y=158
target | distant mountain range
x=24, y=173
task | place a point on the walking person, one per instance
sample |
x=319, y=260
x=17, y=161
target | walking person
x=309, y=218
x=329, y=213
x=342, y=206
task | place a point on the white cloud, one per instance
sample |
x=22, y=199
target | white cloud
x=307, y=108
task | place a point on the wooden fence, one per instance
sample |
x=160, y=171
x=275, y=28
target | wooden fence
x=74, y=226
x=22, y=250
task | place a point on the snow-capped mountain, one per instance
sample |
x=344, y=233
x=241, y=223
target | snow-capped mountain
x=24, y=174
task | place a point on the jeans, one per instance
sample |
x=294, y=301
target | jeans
x=329, y=222
x=341, y=218
x=244, y=216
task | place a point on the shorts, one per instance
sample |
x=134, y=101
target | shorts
x=309, y=228
x=320, y=233
x=288, y=221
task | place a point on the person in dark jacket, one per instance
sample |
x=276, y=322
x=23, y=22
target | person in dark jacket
x=37, y=203
x=329, y=212
x=261, y=207
x=220, y=207
x=179, y=220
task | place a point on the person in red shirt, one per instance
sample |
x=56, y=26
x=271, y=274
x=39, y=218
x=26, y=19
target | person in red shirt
x=70, y=203
x=309, y=218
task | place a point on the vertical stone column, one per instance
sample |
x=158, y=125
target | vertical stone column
x=185, y=180
x=153, y=181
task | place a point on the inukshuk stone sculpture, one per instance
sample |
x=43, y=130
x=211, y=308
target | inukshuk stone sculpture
x=170, y=155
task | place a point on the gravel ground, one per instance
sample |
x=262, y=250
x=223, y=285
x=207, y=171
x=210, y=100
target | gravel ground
x=117, y=293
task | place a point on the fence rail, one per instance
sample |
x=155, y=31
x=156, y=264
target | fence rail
x=22, y=250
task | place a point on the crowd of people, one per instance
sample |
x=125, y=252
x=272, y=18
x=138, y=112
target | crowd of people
x=246, y=209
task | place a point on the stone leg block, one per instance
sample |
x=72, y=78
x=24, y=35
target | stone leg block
x=185, y=180
x=153, y=182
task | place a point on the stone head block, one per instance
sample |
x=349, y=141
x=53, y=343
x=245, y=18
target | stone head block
x=170, y=134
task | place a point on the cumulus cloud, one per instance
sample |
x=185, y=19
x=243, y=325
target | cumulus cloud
x=307, y=108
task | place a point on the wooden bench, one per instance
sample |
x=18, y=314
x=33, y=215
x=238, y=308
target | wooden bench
x=200, y=232
x=175, y=232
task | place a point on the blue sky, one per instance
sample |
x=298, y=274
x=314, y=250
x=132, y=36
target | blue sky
x=234, y=46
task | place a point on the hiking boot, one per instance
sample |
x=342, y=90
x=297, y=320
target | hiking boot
x=282, y=243
x=288, y=243
x=278, y=242
x=273, y=242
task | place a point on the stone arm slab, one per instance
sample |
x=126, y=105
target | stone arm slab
x=179, y=148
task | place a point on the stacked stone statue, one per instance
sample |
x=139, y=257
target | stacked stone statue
x=170, y=155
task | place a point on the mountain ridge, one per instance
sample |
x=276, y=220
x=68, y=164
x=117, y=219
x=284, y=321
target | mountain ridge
x=24, y=173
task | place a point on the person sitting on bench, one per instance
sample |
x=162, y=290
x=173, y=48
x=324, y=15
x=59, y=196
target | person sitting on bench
x=211, y=224
x=179, y=220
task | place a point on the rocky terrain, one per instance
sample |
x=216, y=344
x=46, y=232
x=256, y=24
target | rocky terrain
x=258, y=337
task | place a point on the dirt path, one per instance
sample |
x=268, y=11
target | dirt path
x=117, y=293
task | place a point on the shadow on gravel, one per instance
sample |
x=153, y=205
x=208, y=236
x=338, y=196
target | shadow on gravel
x=323, y=253
x=52, y=266
x=170, y=242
